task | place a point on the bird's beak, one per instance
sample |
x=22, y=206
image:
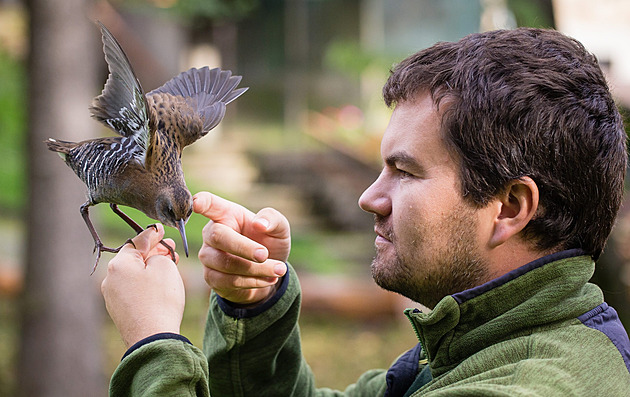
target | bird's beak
x=181, y=226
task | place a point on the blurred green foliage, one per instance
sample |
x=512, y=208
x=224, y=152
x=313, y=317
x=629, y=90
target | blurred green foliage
x=215, y=9
x=198, y=9
x=532, y=13
x=348, y=57
x=9, y=333
x=12, y=134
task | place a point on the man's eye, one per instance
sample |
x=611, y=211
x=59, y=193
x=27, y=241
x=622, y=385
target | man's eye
x=404, y=173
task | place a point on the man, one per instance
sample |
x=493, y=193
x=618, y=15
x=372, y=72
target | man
x=504, y=162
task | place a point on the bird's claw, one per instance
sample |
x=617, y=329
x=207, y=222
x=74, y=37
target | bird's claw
x=170, y=249
x=99, y=248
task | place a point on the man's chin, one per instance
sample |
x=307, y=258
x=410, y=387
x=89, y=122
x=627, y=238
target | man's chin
x=386, y=274
x=393, y=276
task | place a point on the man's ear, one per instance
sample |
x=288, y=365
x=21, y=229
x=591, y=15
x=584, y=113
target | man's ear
x=516, y=207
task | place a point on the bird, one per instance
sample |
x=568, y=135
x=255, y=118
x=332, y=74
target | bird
x=141, y=166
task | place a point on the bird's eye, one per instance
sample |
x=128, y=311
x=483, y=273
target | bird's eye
x=189, y=213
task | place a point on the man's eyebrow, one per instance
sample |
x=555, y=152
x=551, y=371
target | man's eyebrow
x=402, y=158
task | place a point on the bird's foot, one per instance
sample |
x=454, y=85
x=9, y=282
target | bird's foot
x=99, y=248
x=129, y=241
x=170, y=249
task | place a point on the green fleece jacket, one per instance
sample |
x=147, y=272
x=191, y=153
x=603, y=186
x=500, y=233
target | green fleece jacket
x=540, y=330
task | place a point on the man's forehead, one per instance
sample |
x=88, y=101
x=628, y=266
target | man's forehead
x=414, y=133
x=412, y=122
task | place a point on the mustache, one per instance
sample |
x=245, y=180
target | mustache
x=383, y=228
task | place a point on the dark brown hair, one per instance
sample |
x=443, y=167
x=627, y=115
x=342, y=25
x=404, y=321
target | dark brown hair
x=528, y=102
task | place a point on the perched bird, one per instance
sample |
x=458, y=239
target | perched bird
x=142, y=168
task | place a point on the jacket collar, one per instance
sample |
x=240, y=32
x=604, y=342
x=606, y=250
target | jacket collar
x=548, y=290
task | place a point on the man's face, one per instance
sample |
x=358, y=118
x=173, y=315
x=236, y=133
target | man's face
x=427, y=243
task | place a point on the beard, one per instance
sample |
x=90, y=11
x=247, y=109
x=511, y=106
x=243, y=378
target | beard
x=425, y=271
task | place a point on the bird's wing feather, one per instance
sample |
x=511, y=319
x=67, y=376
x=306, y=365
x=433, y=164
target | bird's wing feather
x=122, y=105
x=207, y=91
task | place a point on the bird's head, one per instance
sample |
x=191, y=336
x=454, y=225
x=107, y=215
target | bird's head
x=173, y=208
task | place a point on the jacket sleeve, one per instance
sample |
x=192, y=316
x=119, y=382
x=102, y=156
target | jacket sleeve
x=161, y=365
x=258, y=351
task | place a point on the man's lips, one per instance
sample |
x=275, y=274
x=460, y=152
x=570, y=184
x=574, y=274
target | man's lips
x=383, y=230
x=381, y=236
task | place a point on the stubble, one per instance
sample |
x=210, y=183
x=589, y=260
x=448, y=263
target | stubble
x=426, y=271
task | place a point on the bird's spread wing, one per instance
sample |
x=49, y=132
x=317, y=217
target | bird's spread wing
x=206, y=91
x=122, y=105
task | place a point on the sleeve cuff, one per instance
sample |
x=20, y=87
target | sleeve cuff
x=234, y=311
x=153, y=338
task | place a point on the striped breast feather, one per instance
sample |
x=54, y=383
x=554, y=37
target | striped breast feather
x=207, y=90
x=122, y=105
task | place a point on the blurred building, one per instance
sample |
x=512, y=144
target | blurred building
x=603, y=28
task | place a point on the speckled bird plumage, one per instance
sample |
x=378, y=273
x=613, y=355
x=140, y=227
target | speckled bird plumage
x=141, y=168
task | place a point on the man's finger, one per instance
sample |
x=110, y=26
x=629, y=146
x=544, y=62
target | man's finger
x=219, y=209
x=146, y=241
x=224, y=238
x=232, y=264
x=228, y=283
x=272, y=223
x=162, y=250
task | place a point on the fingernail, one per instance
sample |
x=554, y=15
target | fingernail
x=263, y=222
x=260, y=254
x=280, y=269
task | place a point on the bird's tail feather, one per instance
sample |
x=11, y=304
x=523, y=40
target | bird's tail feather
x=62, y=148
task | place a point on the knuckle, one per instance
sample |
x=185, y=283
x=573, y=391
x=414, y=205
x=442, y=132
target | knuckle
x=204, y=254
x=111, y=265
x=214, y=237
x=208, y=230
x=211, y=257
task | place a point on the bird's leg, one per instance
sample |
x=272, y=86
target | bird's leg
x=168, y=247
x=98, y=244
x=126, y=218
x=139, y=228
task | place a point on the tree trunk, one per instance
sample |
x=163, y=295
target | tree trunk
x=61, y=308
x=296, y=61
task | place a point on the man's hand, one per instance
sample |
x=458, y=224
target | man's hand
x=243, y=253
x=143, y=290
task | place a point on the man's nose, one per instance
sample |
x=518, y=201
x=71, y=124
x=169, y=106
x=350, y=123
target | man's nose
x=375, y=198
